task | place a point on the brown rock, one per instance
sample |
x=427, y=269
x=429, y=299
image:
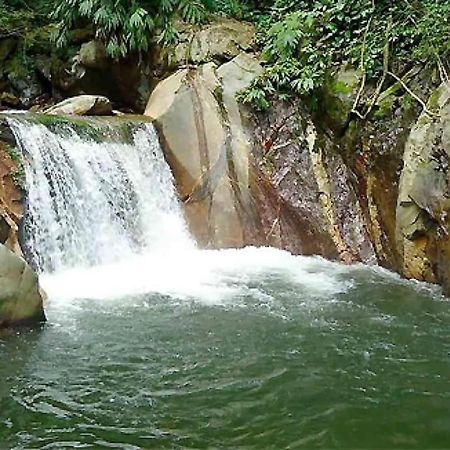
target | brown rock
x=83, y=105
x=8, y=99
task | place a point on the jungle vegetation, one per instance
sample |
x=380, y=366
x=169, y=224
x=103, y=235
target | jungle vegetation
x=300, y=40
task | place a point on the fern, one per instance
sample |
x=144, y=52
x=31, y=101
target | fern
x=302, y=40
x=129, y=26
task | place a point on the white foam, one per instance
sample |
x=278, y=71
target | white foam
x=209, y=276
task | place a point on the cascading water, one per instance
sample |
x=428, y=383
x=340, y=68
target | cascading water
x=103, y=219
x=93, y=202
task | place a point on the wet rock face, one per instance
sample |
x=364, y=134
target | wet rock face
x=20, y=296
x=21, y=301
x=310, y=176
x=11, y=190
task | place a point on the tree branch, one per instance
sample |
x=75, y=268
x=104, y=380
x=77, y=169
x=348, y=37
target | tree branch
x=415, y=96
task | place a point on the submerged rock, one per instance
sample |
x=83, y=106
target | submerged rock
x=21, y=301
x=83, y=105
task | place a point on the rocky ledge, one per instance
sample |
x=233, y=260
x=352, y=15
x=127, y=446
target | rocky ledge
x=326, y=182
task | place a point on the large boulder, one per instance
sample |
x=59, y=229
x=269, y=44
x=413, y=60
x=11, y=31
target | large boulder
x=423, y=207
x=207, y=147
x=21, y=300
x=83, y=105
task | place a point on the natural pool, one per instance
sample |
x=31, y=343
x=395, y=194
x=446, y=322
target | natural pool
x=238, y=349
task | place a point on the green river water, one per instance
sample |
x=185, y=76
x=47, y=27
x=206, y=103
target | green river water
x=292, y=353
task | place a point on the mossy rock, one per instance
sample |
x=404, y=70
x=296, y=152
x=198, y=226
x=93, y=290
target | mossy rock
x=338, y=96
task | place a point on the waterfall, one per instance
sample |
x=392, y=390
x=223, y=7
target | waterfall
x=103, y=221
x=96, y=193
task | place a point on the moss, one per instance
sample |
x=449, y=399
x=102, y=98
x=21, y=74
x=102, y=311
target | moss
x=13, y=152
x=49, y=120
x=83, y=126
x=385, y=108
x=339, y=87
x=408, y=107
x=97, y=129
x=337, y=97
x=18, y=173
x=434, y=101
x=352, y=131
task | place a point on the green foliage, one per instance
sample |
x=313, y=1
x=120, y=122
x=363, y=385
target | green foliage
x=17, y=16
x=302, y=40
x=129, y=25
x=27, y=25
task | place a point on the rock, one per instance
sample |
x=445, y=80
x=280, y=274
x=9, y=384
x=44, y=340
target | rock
x=7, y=46
x=92, y=54
x=312, y=182
x=83, y=105
x=207, y=147
x=27, y=88
x=12, y=193
x=213, y=149
x=8, y=99
x=339, y=95
x=21, y=301
x=126, y=82
x=81, y=35
x=423, y=206
x=218, y=42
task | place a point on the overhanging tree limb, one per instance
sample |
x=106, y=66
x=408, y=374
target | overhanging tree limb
x=412, y=94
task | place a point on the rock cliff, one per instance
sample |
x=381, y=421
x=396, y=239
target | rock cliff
x=313, y=182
